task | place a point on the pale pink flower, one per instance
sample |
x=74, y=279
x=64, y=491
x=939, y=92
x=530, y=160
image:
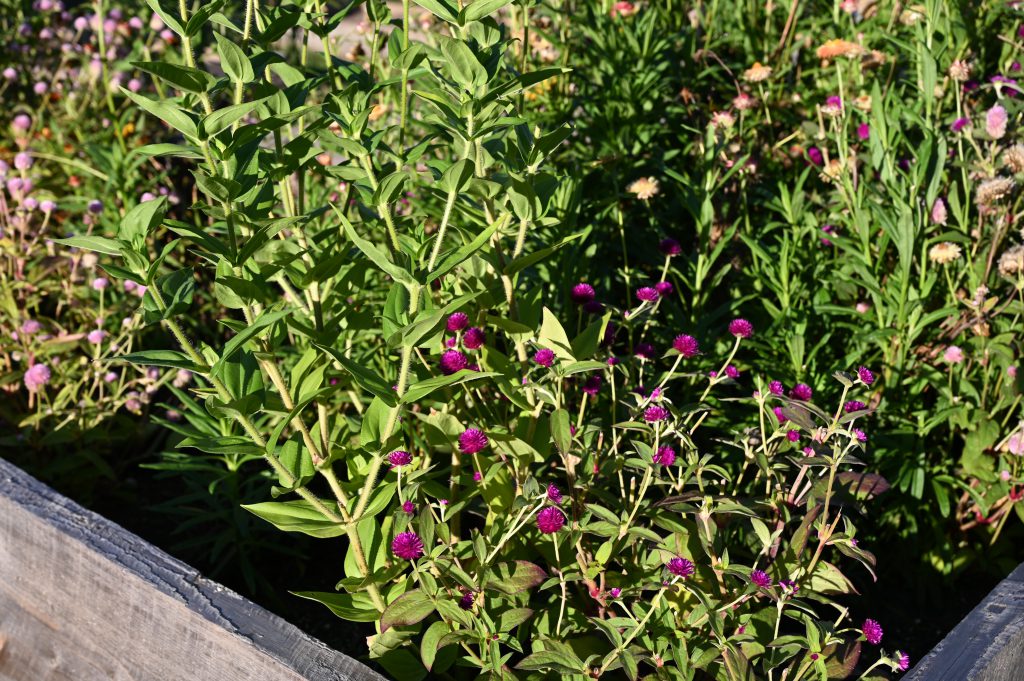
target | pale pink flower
x=953, y=354
x=995, y=122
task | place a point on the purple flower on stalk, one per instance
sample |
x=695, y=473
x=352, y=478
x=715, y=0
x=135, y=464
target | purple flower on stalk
x=959, y=124
x=615, y=592
x=995, y=122
x=472, y=441
x=732, y=372
x=592, y=385
x=409, y=507
x=474, y=338
x=860, y=435
x=22, y=161
x=554, y=494
x=647, y=294
x=802, y=392
x=457, y=321
x=865, y=376
x=477, y=476
x=788, y=586
x=902, y=660
x=854, y=405
x=96, y=336
x=793, y=435
x=544, y=357
x=467, y=600
x=582, y=293
x=670, y=247
x=399, y=458
x=95, y=206
x=645, y=350
x=36, y=377
x=776, y=388
x=453, y=361
x=666, y=456
x=741, y=328
x=407, y=546
x=872, y=631
x=655, y=413
x=779, y=415
x=31, y=327
x=815, y=156
x=863, y=131
x=760, y=579
x=664, y=288
x=681, y=567
x=686, y=346
x=550, y=520
x=100, y=283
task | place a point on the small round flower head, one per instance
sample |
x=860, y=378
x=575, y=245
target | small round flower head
x=96, y=336
x=477, y=476
x=453, y=361
x=408, y=507
x=902, y=660
x=593, y=307
x=47, y=206
x=474, y=338
x=472, y=441
x=554, y=494
x=664, y=288
x=399, y=458
x=863, y=132
x=110, y=377
x=22, y=161
x=407, y=546
x=30, y=327
x=21, y=122
x=36, y=377
x=550, y=520
x=953, y=354
x=760, y=579
x=865, y=376
x=732, y=372
x=860, y=435
x=959, y=124
x=40, y=88
x=779, y=415
x=802, y=392
x=544, y=357
x=10, y=73
x=647, y=294
x=666, y=456
x=793, y=435
x=686, y=346
x=457, y=321
x=815, y=156
x=995, y=122
x=939, y=215
x=655, y=413
x=644, y=188
x=466, y=602
x=788, y=586
x=615, y=592
x=741, y=328
x=776, y=388
x=681, y=567
x=645, y=350
x=592, y=385
x=670, y=247
x=582, y=293
x=872, y=631
x=95, y=206
x=854, y=405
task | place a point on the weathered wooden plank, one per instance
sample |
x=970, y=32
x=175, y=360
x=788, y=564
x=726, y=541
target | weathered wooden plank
x=987, y=645
x=81, y=599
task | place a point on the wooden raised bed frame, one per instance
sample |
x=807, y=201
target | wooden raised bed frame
x=81, y=599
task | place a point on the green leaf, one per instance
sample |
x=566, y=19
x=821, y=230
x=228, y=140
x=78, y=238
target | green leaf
x=176, y=150
x=511, y=578
x=440, y=8
x=559, y=658
x=428, y=646
x=298, y=516
x=177, y=289
x=480, y=9
x=409, y=608
x=510, y=619
x=553, y=337
x=141, y=220
x=458, y=256
x=525, y=261
x=92, y=243
x=184, y=78
x=366, y=378
x=248, y=333
x=168, y=113
x=221, y=119
x=233, y=60
x=159, y=358
x=377, y=256
x=463, y=65
x=170, y=19
x=345, y=606
x=560, y=431
x=424, y=388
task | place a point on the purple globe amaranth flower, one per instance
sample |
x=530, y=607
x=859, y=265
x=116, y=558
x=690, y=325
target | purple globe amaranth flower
x=666, y=456
x=741, y=328
x=472, y=441
x=21, y=122
x=399, y=458
x=592, y=385
x=776, y=388
x=647, y=294
x=686, y=346
x=100, y=283
x=95, y=206
x=860, y=435
x=582, y=293
x=409, y=507
x=788, y=586
x=829, y=230
x=30, y=327
x=474, y=338
x=36, y=377
x=453, y=361
x=863, y=131
x=681, y=567
x=550, y=520
x=872, y=631
x=645, y=350
x=22, y=161
x=939, y=215
x=670, y=247
x=732, y=372
x=96, y=336
x=407, y=546
x=779, y=415
x=664, y=288
x=815, y=156
x=802, y=392
x=793, y=435
x=554, y=494
x=467, y=600
x=854, y=405
x=959, y=124
x=457, y=321
x=995, y=122
x=615, y=592
x=655, y=413
x=865, y=376
x=477, y=476
x=760, y=579
x=902, y=660
x=48, y=205
x=593, y=307
x=544, y=357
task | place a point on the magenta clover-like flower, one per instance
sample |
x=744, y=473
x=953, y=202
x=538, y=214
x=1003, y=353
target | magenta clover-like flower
x=779, y=415
x=409, y=507
x=399, y=458
x=760, y=579
x=902, y=660
x=472, y=441
x=741, y=328
x=407, y=546
x=36, y=377
x=872, y=631
x=686, y=346
x=544, y=357
x=647, y=294
x=732, y=372
x=615, y=592
x=793, y=435
x=666, y=456
x=670, y=247
x=592, y=385
x=554, y=494
x=582, y=293
x=802, y=392
x=550, y=520
x=457, y=321
x=453, y=361
x=681, y=567
x=466, y=602
x=854, y=405
x=474, y=338
x=776, y=388
x=664, y=288
x=865, y=376
x=655, y=413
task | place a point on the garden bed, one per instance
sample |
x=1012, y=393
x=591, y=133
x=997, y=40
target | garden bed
x=81, y=598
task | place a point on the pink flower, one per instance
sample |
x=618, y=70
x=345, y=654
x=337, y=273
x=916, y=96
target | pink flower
x=453, y=361
x=477, y=476
x=554, y=494
x=995, y=122
x=793, y=435
x=36, y=377
x=592, y=385
x=1015, y=444
x=686, y=346
x=472, y=441
x=681, y=567
x=776, y=388
x=96, y=336
x=615, y=592
x=902, y=661
x=732, y=372
x=31, y=327
x=550, y=520
x=407, y=545
x=872, y=631
x=865, y=376
x=666, y=456
x=670, y=247
x=457, y=321
x=544, y=357
x=815, y=156
x=760, y=579
x=474, y=338
x=409, y=507
x=582, y=293
x=647, y=294
x=959, y=124
x=939, y=214
x=664, y=288
x=802, y=392
x=863, y=131
x=655, y=413
x=779, y=415
x=854, y=405
x=741, y=328
x=953, y=354
x=22, y=161
x=399, y=458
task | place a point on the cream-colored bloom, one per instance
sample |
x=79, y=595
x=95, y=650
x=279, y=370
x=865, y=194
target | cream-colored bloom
x=757, y=73
x=944, y=253
x=838, y=47
x=1013, y=157
x=990, y=191
x=1011, y=263
x=960, y=70
x=644, y=188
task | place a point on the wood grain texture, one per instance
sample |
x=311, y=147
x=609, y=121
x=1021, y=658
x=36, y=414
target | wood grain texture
x=987, y=645
x=81, y=599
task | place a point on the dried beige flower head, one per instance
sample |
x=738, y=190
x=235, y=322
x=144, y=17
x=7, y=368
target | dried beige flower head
x=960, y=70
x=912, y=15
x=1013, y=157
x=644, y=188
x=943, y=253
x=722, y=119
x=990, y=191
x=1011, y=263
x=757, y=73
x=837, y=47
